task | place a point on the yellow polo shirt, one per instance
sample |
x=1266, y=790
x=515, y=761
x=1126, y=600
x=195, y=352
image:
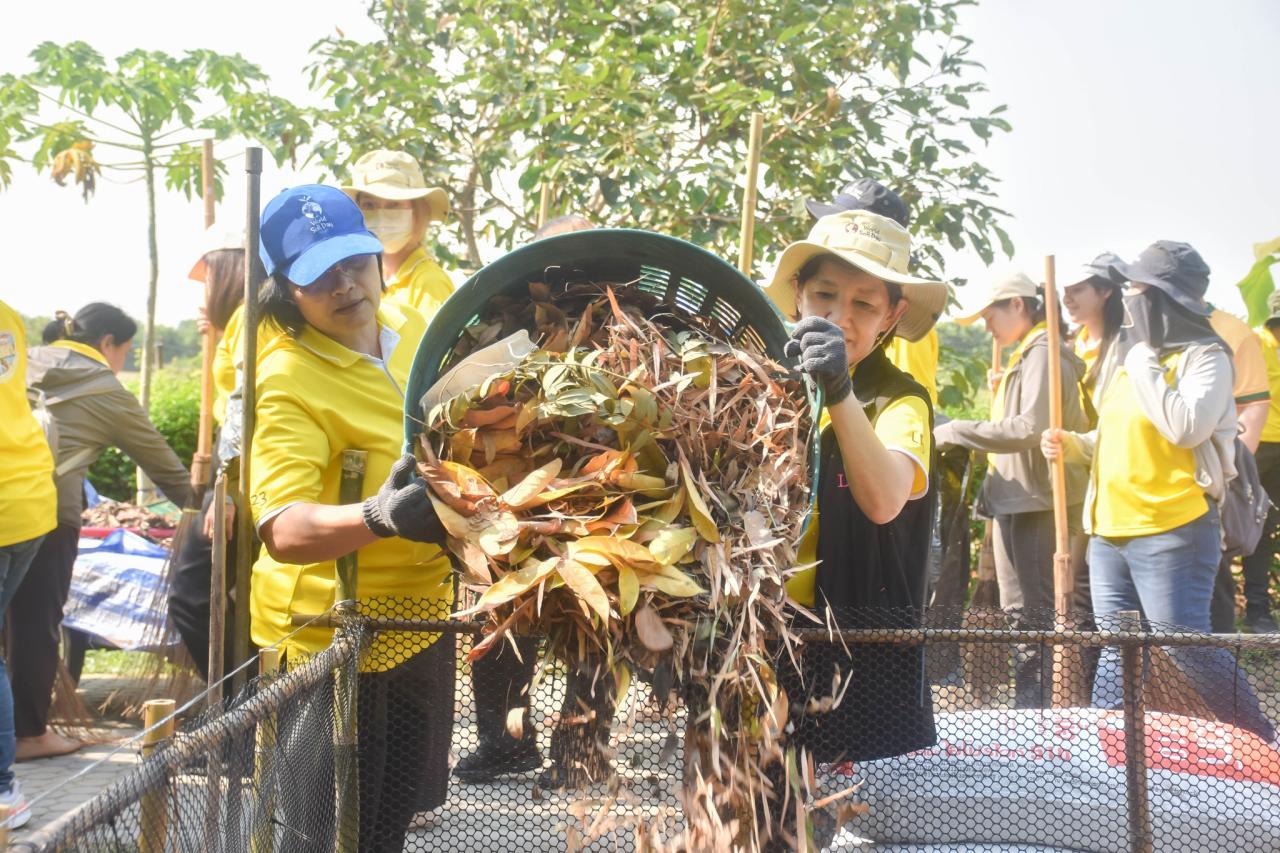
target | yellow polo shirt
x=1143, y=483
x=420, y=283
x=1086, y=348
x=1251, y=384
x=28, y=500
x=227, y=357
x=316, y=398
x=1271, y=357
x=918, y=359
x=903, y=426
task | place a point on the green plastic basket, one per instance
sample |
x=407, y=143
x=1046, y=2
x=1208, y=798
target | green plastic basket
x=690, y=281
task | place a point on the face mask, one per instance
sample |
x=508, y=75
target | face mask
x=393, y=227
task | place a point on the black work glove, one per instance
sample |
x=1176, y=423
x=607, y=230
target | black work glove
x=819, y=345
x=402, y=506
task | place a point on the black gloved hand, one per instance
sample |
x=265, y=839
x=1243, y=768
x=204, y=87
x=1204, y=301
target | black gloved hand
x=402, y=506
x=819, y=345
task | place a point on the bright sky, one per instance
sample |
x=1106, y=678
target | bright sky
x=1133, y=121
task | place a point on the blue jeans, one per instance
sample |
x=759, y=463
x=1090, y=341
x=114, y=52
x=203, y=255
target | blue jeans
x=1169, y=577
x=14, y=560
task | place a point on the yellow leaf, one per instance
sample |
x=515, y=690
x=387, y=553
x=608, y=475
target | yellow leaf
x=523, y=493
x=672, y=543
x=681, y=587
x=528, y=414
x=619, y=551
x=670, y=509
x=453, y=522
x=461, y=444
x=497, y=531
x=698, y=511
x=622, y=680
x=645, y=484
x=628, y=589
x=515, y=584
x=580, y=579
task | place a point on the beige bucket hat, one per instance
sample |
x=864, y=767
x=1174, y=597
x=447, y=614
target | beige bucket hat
x=396, y=176
x=874, y=244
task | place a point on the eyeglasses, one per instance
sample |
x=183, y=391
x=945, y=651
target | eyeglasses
x=349, y=268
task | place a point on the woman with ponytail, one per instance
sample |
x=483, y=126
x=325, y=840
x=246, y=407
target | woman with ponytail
x=1095, y=303
x=1018, y=492
x=75, y=372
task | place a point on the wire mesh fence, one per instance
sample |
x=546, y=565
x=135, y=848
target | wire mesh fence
x=952, y=736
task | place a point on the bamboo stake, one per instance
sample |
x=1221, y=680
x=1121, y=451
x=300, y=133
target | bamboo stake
x=1068, y=668
x=201, y=460
x=544, y=203
x=746, y=249
x=153, y=820
x=4, y=827
x=217, y=639
x=345, y=681
x=244, y=517
x=263, y=838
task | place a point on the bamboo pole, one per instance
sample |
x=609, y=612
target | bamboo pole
x=746, y=249
x=217, y=641
x=544, y=203
x=1068, y=666
x=244, y=516
x=263, y=838
x=153, y=820
x=202, y=459
x=345, y=680
x=4, y=827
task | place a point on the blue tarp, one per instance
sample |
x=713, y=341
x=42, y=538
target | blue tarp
x=117, y=591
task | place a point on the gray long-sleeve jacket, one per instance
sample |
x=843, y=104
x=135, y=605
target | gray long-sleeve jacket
x=93, y=411
x=1019, y=479
x=1197, y=412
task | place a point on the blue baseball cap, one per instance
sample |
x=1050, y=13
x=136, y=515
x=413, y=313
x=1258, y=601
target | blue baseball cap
x=307, y=229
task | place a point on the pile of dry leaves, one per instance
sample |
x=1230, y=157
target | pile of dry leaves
x=634, y=492
x=112, y=514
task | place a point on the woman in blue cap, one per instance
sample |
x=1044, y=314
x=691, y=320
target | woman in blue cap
x=335, y=381
x=1161, y=457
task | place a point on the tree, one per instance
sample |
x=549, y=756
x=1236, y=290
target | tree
x=143, y=107
x=635, y=113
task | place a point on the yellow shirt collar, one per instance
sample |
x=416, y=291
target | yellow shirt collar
x=330, y=350
x=84, y=349
x=411, y=263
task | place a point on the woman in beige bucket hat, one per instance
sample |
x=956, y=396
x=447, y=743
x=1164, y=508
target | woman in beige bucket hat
x=869, y=536
x=398, y=207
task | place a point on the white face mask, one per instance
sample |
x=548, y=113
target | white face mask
x=392, y=226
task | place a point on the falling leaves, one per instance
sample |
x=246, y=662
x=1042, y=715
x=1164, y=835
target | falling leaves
x=635, y=494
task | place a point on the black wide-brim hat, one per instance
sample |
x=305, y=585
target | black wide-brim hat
x=1174, y=268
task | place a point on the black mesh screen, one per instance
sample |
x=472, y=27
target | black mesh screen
x=518, y=752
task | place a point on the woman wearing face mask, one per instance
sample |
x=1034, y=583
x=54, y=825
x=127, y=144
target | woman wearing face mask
x=398, y=207
x=848, y=286
x=1161, y=457
x=1094, y=304
x=75, y=373
x=334, y=380
x=1018, y=492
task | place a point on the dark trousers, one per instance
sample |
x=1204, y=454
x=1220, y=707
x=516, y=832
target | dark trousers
x=33, y=628
x=501, y=682
x=190, y=591
x=404, y=723
x=1259, y=565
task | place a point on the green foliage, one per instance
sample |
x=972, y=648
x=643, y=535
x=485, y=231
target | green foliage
x=636, y=113
x=175, y=411
x=964, y=356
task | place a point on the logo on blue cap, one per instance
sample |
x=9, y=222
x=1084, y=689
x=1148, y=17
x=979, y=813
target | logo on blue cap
x=307, y=229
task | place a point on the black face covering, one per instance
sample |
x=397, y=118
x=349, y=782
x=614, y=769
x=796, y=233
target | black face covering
x=1156, y=320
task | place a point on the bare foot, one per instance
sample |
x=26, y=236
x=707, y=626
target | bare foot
x=46, y=745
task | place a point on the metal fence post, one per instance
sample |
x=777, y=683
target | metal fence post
x=1135, y=739
x=263, y=838
x=153, y=821
x=346, y=763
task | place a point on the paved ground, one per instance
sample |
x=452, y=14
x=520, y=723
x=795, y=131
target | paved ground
x=52, y=784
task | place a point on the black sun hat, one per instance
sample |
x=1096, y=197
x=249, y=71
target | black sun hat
x=1175, y=268
x=863, y=194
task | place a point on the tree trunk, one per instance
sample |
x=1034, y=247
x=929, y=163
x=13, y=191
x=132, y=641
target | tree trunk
x=467, y=216
x=146, y=490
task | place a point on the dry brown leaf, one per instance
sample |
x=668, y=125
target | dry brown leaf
x=651, y=630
